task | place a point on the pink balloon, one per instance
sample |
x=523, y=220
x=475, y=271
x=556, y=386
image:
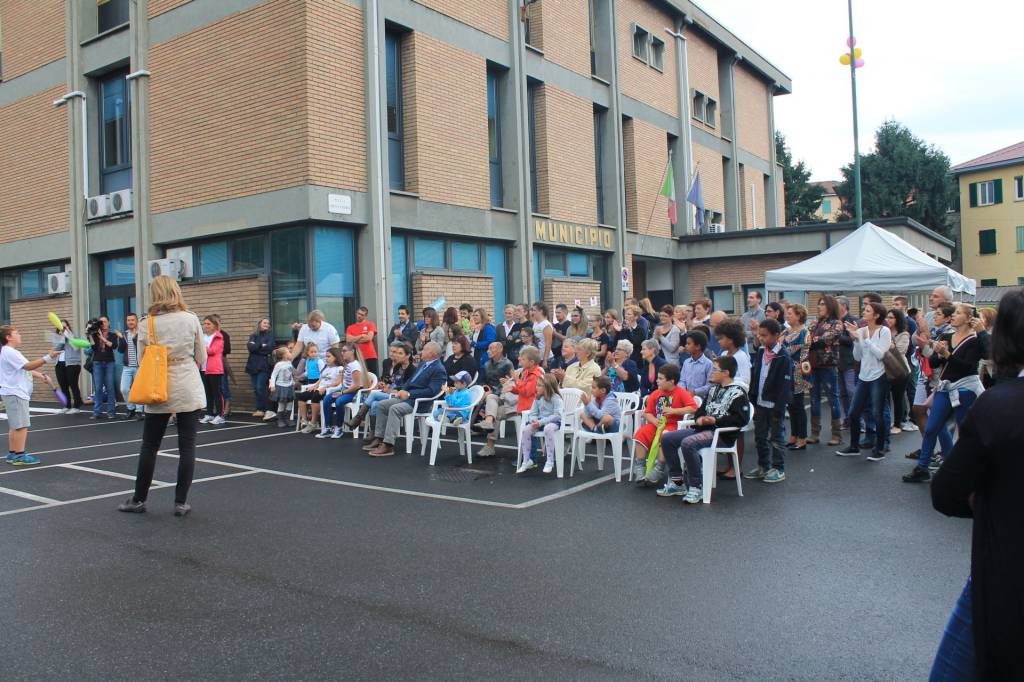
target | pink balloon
x=859, y=63
x=851, y=41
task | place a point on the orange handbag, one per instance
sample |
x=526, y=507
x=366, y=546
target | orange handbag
x=150, y=384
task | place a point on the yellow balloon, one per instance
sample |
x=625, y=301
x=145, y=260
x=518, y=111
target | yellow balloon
x=857, y=52
x=844, y=59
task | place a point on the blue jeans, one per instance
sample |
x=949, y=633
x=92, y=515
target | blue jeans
x=336, y=401
x=374, y=398
x=869, y=418
x=937, y=418
x=103, y=375
x=260, y=382
x=127, y=378
x=225, y=387
x=876, y=392
x=847, y=385
x=769, y=437
x=824, y=377
x=954, y=661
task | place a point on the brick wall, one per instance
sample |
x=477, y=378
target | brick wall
x=637, y=79
x=752, y=126
x=477, y=290
x=33, y=166
x=702, y=64
x=567, y=290
x=33, y=35
x=30, y=318
x=711, y=180
x=437, y=121
x=228, y=108
x=336, y=95
x=160, y=6
x=566, y=187
x=240, y=304
x=562, y=30
x=645, y=151
x=489, y=16
x=719, y=272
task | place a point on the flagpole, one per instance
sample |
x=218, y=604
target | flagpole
x=859, y=211
x=661, y=183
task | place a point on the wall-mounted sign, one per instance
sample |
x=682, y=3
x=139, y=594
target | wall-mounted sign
x=339, y=203
x=573, y=234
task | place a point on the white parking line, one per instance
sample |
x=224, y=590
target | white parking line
x=103, y=472
x=27, y=496
x=139, y=440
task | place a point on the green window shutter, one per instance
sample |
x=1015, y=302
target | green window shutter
x=972, y=189
x=997, y=185
x=1020, y=237
x=986, y=242
x=989, y=282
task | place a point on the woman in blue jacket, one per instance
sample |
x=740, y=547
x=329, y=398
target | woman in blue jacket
x=484, y=335
x=260, y=346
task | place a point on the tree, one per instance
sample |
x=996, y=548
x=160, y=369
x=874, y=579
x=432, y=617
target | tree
x=903, y=176
x=802, y=198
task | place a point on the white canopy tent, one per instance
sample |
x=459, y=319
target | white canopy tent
x=869, y=259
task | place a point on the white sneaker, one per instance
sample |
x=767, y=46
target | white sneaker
x=486, y=451
x=63, y=410
x=269, y=416
x=218, y=420
x=74, y=410
x=526, y=466
x=549, y=466
x=336, y=432
x=908, y=426
x=206, y=419
x=326, y=433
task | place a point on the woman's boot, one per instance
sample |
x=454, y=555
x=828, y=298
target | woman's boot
x=368, y=435
x=837, y=432
x=815, y=430
x=358, y=417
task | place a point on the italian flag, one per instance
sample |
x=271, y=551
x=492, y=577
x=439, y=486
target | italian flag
x=668, y=190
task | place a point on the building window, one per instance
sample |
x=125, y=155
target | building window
x=826, y=207
x=641, y=44
x=698, y=109
x=115, y=139
x=289, y=287
x=1020, y=281
x=1018, y=188
x=429, y=254
x=722, y=299
x=986, y=242
x=747, y=288
x=26, y=283
x=531, y=103
x=986, y=193
x=792, y=297
x=412, y=253
x=497, y=268
x=592, y=25
x=599, y=161
x=399, y=272
x=710, y=112
x=1020, y=237
x=954, y=203
x=213, y=259
x=465, y=256
x=334, y=274
x=111, y=14
x=527, y=14
x=989, y=282
x=554, y=264
x=579, y=265
x=231, y=256
x=494, y=136
x=396, y=154
x=658, y=53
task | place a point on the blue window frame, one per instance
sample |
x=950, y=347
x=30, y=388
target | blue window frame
x=429, y=254
x=213, y=258
x=30, y=285
x=399, y=271
x=396, y=154
x=579, y=265
x=115, y=138
x=465, y=256
x=334, y=273
x=497, y=268
x=599, y=162
x=494, y=136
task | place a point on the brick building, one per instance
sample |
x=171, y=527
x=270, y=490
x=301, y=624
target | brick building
x=329, y=153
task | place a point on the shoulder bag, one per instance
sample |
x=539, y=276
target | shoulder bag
x=150, y=384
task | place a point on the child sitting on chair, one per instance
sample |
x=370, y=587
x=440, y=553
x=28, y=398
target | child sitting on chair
x=457, y=395
x=601, y=411
x=545, y=416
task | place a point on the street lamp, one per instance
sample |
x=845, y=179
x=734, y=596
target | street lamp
x=854, y=61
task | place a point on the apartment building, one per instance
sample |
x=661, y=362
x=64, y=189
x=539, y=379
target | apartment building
x=284, y=155
x=831, y=205
x=991, y=204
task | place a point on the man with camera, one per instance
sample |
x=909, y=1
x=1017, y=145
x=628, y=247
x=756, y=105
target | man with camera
x=103, y=342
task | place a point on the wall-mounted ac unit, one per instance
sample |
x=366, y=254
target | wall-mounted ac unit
x=58, y=283
x=97, y=206
x=121, y=202
x=716, y=228
x=172, y=267
x=184, y=254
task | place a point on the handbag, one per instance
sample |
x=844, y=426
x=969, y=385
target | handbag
x=896, y=367
x=150, y=384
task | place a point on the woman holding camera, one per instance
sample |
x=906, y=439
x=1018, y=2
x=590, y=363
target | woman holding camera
x=104, y=342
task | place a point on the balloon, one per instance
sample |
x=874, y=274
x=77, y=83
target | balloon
x=55, y=321
x=79, y=343
x=857, y=52
x=859, y=63
x=851, y=41
x=844, y=59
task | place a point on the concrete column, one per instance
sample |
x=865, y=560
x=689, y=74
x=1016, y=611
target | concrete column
x=138, y=84
x=771, y=203
x=374, y=246
x=681, y=281
x=682, y=162
x=727, y=113
x=76, y=108
x=615, y=212
x=520, y=285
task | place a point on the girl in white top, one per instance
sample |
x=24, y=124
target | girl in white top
x=330, y=376
x=870, y=344
x=544, y=331
x=282, y=384
x=667, y=335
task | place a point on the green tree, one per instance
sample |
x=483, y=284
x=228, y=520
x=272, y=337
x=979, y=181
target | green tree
x=903, y=176
x=802, y=198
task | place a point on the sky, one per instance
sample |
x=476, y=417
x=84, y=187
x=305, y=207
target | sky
x=954, y=77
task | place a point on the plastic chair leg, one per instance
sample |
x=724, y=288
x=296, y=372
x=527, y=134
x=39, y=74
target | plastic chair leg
x=708, y=460
x=435, y=441
x=560, y=455
x=617, y=454
x=410, y=425
x=467, y=439
x=600, y=454
x=423, y=441
x=739, y=477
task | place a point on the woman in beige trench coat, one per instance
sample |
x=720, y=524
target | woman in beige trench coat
x=178, y=329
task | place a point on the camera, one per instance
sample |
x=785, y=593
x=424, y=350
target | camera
x=93, y=326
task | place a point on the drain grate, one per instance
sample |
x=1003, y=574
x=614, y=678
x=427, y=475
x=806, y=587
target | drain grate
x=459, y=474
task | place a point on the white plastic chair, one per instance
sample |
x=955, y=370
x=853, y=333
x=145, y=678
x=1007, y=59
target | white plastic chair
x=628, y=403
x=570, y=419
x=352, y=408
x=438, y=426
x=709, y=458
x=295, y=415
x=409, y=422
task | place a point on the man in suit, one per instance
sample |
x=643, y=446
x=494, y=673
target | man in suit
x=426, y=382
x=508, y=334
x=405, y=330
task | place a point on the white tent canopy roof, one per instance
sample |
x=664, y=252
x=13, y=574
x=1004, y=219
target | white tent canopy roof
x=868, y=259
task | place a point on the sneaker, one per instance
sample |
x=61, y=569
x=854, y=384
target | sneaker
x=308, y=428
x=935, y=463
x=526, y=466
x=918, y=475
x=486, y=451
x=336, y=433
x=671, y=489
x=774, y=476
x=876, y=456
x=916, y=454
x=10, y=458
x=182, y=508
x=849, y=452
x=549, y=466
x=218, y=420
x=657, y=473
x=755, y=473
x=73, y=410
x=325, y=433
x=62, y=410
x=486, y=425
x=257, y=414
x=130, y=506
x=895, y=431
x=206, y=419
x=269, y=416
x=908, y=426
x=23, y=460
x=693, y=496
x=639, y=472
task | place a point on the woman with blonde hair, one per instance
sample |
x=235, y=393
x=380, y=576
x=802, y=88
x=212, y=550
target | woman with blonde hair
x=177, y=329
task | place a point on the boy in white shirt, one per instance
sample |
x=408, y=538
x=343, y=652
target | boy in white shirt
x=16, y=374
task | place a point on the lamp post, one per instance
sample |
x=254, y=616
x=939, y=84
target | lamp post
x=855, y=61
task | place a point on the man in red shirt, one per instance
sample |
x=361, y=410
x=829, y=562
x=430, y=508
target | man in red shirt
x=364, y=333
x=670, y=401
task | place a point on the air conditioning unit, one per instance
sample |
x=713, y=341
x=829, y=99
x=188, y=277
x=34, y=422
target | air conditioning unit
x=97, y=207
x=121, y=202
x=58, y=283
x=716, y=228
x=172, y=267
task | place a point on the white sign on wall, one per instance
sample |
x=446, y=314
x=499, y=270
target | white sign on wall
x=339, y=203
x=625, y=279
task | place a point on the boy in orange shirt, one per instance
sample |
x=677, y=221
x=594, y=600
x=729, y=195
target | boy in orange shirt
x=670, y=401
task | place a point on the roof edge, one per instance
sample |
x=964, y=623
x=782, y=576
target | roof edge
x=961, y=169
x=824, y=227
